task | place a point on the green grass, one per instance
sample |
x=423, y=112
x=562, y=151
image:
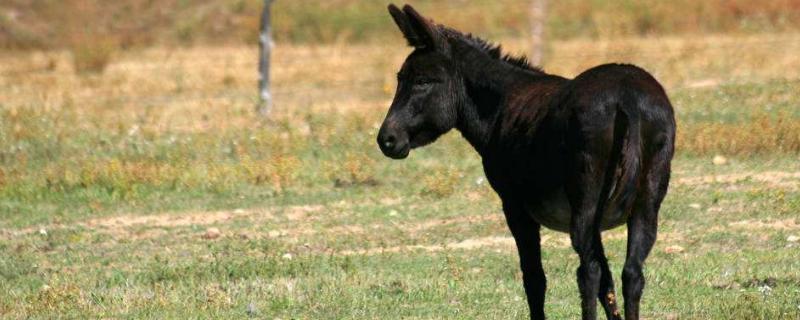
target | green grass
x=159, y=270
x=723, y=104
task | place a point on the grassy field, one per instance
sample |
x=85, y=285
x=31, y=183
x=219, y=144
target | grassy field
x=152, y=190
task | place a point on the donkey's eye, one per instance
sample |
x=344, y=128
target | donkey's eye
x=423, y=81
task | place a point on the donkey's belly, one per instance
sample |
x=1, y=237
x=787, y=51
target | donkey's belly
x=554, y=212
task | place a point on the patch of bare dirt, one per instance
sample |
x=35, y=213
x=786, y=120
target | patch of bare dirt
x=751, y=224
x=296, y=213
x=390, y=201
x=555, y=240
x=776, y=179
x=435, y=223
x=130, y=225
x=170, y=220
x=558, y=240
x=410, y=228
x=705, y=83
x=468, y=244
x=141, y=227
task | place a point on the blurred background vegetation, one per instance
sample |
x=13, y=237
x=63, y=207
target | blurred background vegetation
x=137, y=23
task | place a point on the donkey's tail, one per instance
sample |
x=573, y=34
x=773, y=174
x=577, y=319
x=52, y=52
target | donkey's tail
x=626, y=172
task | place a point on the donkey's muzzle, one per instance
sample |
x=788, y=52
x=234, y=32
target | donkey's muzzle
x=393, y=143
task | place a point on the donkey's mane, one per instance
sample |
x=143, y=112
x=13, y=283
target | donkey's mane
x=493, y=50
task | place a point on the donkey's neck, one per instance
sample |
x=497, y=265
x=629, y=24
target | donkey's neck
x=478, y=113
x=488, y=83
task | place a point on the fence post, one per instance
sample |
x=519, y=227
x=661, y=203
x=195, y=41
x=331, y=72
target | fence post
x=537, y=20
x=265, y=48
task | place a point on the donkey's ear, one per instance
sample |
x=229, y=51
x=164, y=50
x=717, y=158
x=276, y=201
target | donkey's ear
x=429, y=34
x=402, y=22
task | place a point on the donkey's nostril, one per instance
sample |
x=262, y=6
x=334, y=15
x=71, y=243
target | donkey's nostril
x=389, y=142
x=393, y=144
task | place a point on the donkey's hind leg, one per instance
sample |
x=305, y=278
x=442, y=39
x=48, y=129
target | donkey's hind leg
x=643, y=227
x=607, y=294
x=584, y=189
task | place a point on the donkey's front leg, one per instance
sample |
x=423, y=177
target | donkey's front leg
x=526, y=234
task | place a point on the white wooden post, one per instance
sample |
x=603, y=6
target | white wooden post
x=538, y=20
x=265, y=48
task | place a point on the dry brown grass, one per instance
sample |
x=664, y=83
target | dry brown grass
x=764, y=134
x=204, y=85
x=184, y=119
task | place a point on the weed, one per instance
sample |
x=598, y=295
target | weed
x=354, y=169
x=92, y=56
x=61, y=299
x=441, y=183
x=279, y=171
x=216, y=296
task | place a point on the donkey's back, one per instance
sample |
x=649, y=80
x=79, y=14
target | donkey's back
x=610, y=88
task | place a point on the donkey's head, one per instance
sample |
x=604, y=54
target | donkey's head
x=425, y=105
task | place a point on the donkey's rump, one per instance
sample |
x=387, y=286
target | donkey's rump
x=605, y=110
